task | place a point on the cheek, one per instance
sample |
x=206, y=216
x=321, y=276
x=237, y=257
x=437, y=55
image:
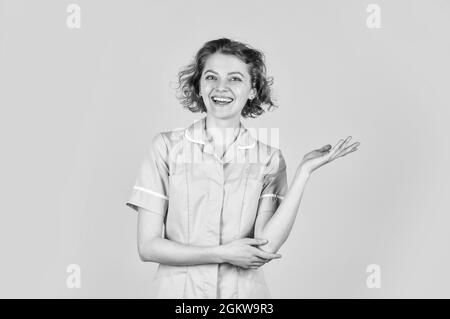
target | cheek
x=205, y=87
x=241, y=92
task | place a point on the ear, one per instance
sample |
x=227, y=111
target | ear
x=252, y=94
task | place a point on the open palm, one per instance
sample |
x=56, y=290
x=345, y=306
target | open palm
x=315, y=159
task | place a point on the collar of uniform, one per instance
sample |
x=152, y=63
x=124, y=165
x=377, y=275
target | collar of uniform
x=196, y=133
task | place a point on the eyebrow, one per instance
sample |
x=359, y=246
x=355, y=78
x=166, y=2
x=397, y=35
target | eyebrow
x=235, y=72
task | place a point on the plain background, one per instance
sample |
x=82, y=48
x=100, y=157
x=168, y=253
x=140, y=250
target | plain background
x=79, y=107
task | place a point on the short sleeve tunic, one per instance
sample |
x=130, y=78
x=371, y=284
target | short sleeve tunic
x=208, y=201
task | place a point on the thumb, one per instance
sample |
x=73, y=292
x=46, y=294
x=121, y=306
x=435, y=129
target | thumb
x=325, y=148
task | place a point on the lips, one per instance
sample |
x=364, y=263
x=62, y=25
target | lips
x=221, y=100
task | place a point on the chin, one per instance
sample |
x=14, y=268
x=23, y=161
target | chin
x=223, y=113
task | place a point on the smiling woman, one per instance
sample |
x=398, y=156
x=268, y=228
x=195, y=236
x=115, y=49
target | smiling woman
x=225, y=214
x=223, y=62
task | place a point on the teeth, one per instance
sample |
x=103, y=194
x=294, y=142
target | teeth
x=221, y=99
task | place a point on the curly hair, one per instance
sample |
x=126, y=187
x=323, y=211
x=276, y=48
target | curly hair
x=189, y=76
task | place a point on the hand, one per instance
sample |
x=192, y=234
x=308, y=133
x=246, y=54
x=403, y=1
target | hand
x=315, y=159
x=240, y=252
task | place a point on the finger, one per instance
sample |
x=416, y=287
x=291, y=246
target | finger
x=339, y=146
x=343, y=145
x=257, y=241
x=266, y=255
x=335, y=147
x=258, y=259
x=354, y=145
x=256, y=264
x=348, y=151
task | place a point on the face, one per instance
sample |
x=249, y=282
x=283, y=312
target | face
x=225, y=86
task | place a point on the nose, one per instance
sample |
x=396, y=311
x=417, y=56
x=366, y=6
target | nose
x=221, y=85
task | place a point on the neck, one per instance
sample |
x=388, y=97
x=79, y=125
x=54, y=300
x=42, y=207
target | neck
x=222, y=131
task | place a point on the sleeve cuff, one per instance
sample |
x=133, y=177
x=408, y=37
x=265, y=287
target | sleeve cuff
x=148, y=199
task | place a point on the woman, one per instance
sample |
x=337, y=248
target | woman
x=220, y=194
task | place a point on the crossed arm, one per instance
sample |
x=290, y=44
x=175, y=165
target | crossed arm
x=274, y=228
x=153, y=247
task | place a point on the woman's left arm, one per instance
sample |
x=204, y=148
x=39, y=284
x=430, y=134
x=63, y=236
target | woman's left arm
x=277, y=228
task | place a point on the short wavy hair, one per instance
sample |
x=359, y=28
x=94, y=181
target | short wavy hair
x=189, y=77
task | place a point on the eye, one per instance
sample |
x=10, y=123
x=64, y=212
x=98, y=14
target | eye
x=236, y=78
x=210, y=77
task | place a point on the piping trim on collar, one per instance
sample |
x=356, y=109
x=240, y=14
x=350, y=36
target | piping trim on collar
x=192, y=126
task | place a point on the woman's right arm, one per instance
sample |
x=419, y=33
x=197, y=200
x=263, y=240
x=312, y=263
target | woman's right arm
x=154, y=248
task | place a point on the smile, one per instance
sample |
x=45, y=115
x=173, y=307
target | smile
x=221, y=100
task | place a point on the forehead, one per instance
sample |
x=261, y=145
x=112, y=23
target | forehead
x=224, y=63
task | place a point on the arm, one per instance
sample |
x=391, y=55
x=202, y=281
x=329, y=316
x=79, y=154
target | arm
x=152, y=247
x=276, y=228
